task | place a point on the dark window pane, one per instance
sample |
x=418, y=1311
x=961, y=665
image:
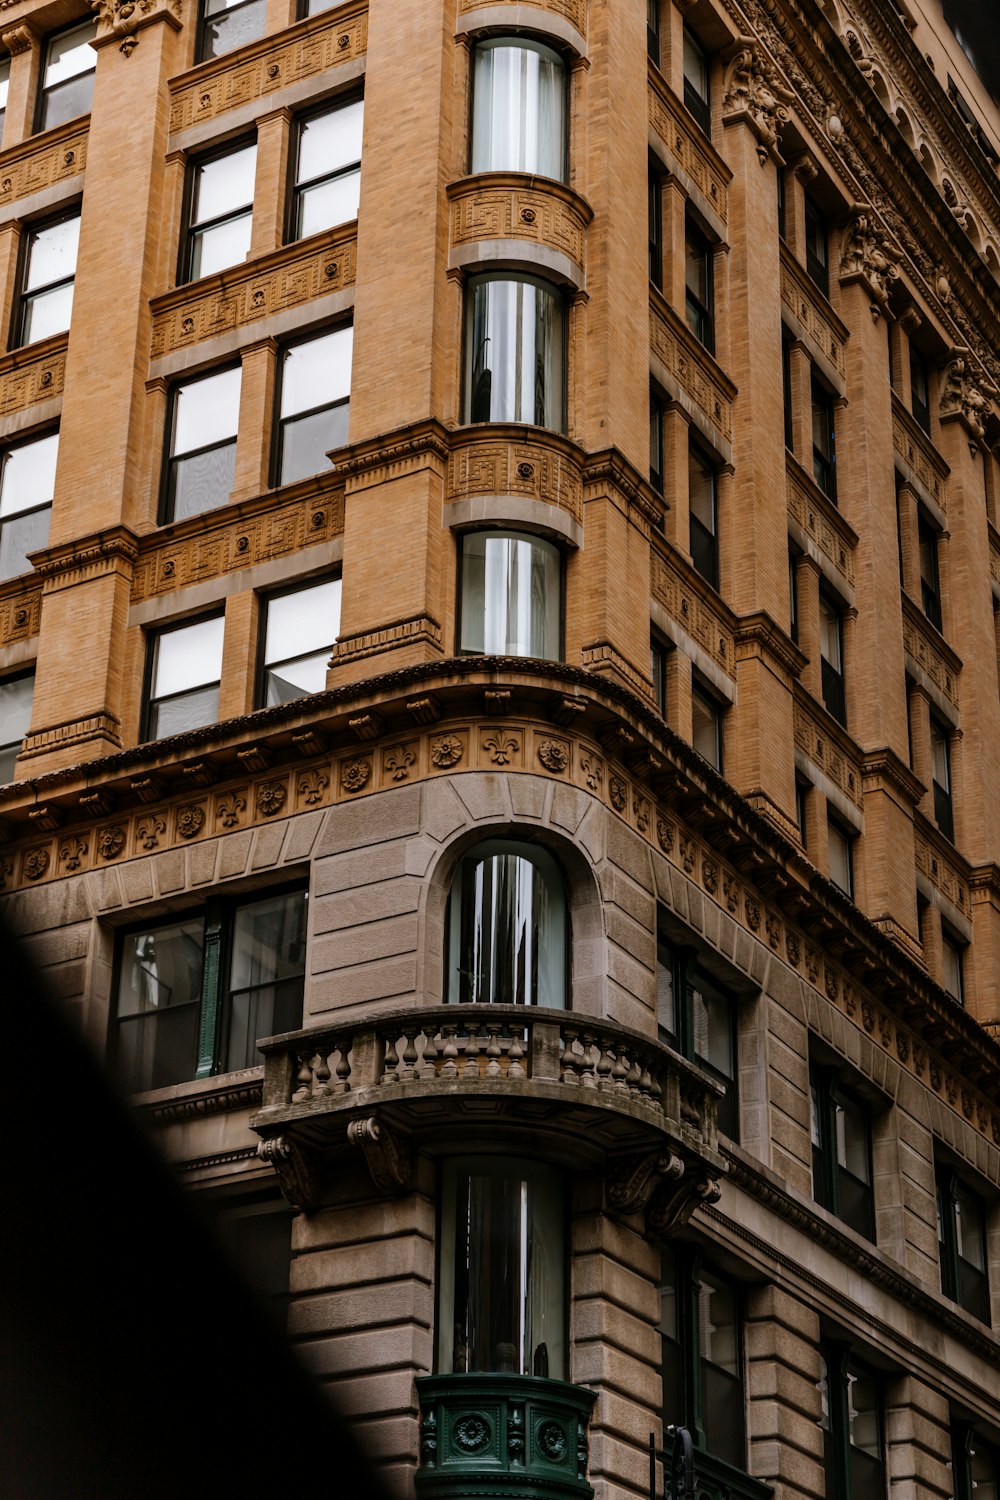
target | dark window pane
x=266, y=974
x=159, y=990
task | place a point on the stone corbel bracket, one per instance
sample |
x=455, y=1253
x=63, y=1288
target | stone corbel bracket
x=120, y=20
x=387, y=1154
x=965, y=396
x=676, y=1200
x=295, y=1178
x=869, y=255
x=753, y=92
x=633, y=1181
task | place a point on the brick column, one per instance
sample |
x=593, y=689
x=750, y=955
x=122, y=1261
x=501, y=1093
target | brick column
x=253, y=443
x=920, y=746
x=800, y=382
x=239, y=655
x=676, y=443
x=807, y=604
x=270, y=182
x=78, y=715
x=25, y=51
x=909, y=540
x=10, y=248
x=680, y=715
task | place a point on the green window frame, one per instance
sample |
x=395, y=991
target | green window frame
x=842, y=1151
x=961, y=1214
x=975, y=1463
x=696, y=1016
x=853, y=1426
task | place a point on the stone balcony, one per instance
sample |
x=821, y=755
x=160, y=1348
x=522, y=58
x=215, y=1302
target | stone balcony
x=589, y=1094
x=502, y=1435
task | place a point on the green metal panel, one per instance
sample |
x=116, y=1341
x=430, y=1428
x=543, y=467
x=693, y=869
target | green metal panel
x=511, y=1437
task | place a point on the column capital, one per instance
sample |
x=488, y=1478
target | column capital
x=119, y=21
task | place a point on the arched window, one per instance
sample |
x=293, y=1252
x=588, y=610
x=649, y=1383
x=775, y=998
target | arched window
x=507, y=927
x=519, y=108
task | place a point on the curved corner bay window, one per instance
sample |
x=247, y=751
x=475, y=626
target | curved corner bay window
x=511, y=596
x=515, y=352
x=519, y=109
x=502, y=1296
x=507, y=927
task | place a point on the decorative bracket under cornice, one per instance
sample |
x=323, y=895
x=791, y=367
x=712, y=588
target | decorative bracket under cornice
x=675, y=1201
x=633, y=1181
x=387, y=1153
x=295, y=1178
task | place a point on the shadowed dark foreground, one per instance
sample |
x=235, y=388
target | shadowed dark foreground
x=134, y=1364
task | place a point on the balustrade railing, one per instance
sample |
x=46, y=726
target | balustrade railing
x=491, y=1047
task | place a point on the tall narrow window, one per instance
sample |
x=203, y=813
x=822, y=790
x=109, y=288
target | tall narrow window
x=515, y=352
x=793, y=593
x=658, y=653
x=831, y=651
x=655, y=228
x=786, y=388
x=67, y=75
x=519, y=120
x=701, y=1331
x=704, y=515
x=853, y=1441
x=27, y=482
x=328, y=169
x=930, y=582
x=298, y=630
x=920, y=395
x=653, y=30
x=49, y=270
x=817, y=246
x=228, y=24
x=840, y=848
x=699, y=286
x=16, y=695
x=314, y=405
x=4, y=90
x=182, y=1015
x=706, y=735
x=655, y=442
x=511, y=602
x=503, y=1281
x=944, y=813
x=962, y=1244
x=220, y=192
x=697, y=97
x=824, y=442
x=953, y=961
x=201, y=462
x=697, y=1016
x=184, y=671
x=841, y=1152
x=782, y=201
x=507, y=927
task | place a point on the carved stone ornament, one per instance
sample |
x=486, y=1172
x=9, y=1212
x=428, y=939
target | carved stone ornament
x=111, y=841
x=271, y=797
x=229, y=809
x=36, y=863
x=867, y=255
x=633, y=1182
x=387, y=1155
x=753, y=92
x=398, y=761
x=961, y=397
x=122, y=18
x=355, y=775
x=446, y=751
x=72, y=851
x=312, y=785
x=553, y=755
x=190, y=820
x=619, y=794
x=675, y=1202
x=297, y=1183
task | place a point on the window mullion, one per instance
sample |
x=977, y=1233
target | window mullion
x=210, y=1028
x=837, y=1360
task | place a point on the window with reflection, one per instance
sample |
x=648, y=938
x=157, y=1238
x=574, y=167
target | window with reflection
x=314, y=403
x=944, y=811
x=817, y=246
x=831, y=654
x=183, y=1015
x=515, y=352
x=507, y=927
x=511, y=595
x=228, y=24
x=824, y=438
x=655, y=218
x=27, y=484
x=696, y=1015
x=702, y=1359
x=327, y=168
x=16, y=694
x=699, y=286
x=519, y=117
x=930, y=579
x=67, y=85
x=4, y=91
x=962, y=1244
x=975, y=1463
x=47, y=276
x=840, y=853
x=920, y=389
x=706, y=724
x=852, y=1423
x=201, y=457
x=841, y=1151
x=502, y=1298
x=184, y=669
x=704, y=514
x=220, y=193
x=298, y=630
x=953, y=965
x=696, y=81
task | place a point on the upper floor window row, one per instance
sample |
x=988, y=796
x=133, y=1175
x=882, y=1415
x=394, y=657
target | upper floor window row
x=324, y=189
x=312, y=405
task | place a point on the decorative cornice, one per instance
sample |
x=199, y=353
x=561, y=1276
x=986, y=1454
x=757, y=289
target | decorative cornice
x=883, y=770
x=418, y=439
x=754, y=92
x=120, y=20
x=115, y=549
x=611, y=467
x=757, y=635
x=868, y=255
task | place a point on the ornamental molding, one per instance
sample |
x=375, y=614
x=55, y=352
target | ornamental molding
x=759, y=637
x=962, y=395
x=293, y=1170
x=386, y=1151
x=883, y=770
x=518, y=206
x=868, y=255
x=686, y=147
x=754, y=92
x=112, y=551
x=120, y=20
x=609, y=469
x=689, y=373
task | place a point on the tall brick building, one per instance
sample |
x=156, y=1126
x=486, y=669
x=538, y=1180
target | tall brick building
x=499, y=561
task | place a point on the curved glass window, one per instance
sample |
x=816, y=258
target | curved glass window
x=519, y=109
x=507, y=927
x=511, y=595
x=515, y=352
x=503, y=1288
